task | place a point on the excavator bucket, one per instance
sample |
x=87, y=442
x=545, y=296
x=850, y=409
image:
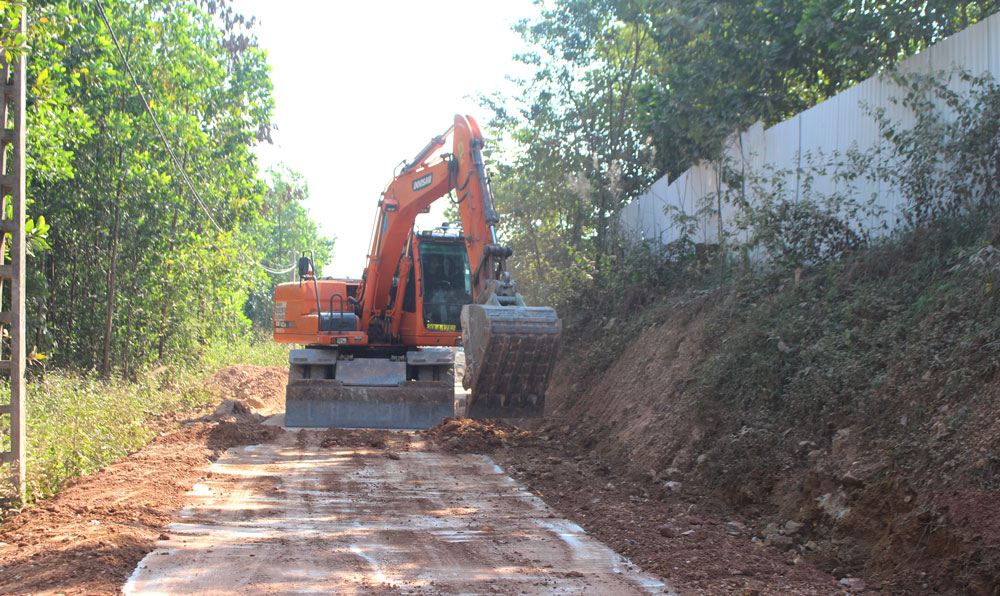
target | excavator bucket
x=509, y=355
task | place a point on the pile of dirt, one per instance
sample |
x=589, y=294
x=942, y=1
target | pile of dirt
x=89, y=537
x=228, y=433
x=257, y=389
x=392, y=443
x=638, y=406
x=476, y=436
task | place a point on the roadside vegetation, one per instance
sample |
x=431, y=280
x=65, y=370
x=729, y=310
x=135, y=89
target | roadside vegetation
x=79, y=422
x=626, y=92
x=856, y=397
x=137, y=288
x=138, y=268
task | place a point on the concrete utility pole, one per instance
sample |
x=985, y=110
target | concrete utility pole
x=12, y=187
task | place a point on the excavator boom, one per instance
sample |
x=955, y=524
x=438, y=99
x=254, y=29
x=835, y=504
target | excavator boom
x=379, y=350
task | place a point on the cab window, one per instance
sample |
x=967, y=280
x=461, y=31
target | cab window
x=447, y=284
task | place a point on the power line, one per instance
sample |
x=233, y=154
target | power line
x=170, y=150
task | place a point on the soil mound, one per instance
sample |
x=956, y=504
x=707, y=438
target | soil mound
x=390, y=443
x=229, y=433
x=260, y=389
x=476, y=436
x=357, y=437
x=871, y=433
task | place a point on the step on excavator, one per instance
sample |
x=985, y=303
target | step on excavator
x=380, y=351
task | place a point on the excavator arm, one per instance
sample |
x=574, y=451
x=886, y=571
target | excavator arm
x=427, y=178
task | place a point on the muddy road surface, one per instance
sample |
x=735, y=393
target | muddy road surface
x=368, y=512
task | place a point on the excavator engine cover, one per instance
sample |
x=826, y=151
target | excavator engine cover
x=509, y=355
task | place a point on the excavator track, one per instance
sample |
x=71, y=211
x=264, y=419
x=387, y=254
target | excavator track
x=509, y=353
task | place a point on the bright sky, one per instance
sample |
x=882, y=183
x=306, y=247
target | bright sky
x=361, y=86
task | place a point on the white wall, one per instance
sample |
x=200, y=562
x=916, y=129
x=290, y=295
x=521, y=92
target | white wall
x=834, y=126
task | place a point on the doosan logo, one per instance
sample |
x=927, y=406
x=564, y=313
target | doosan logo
x=423, y=182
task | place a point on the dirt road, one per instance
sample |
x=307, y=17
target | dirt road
x=364, y=512
x=225, y=504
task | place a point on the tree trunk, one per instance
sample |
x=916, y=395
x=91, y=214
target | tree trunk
x=164, y=308
x=112, y=278
x=66, y=311
x=126, y=372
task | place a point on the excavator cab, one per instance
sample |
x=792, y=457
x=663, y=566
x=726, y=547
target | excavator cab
x=447, y=282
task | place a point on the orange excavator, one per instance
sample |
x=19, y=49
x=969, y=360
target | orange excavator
x=380, y=351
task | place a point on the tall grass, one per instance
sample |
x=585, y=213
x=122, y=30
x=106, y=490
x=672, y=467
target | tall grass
x=258, y=351
x=77, y=423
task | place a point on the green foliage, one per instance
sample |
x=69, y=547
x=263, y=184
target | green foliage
x=579, y=156
x=895, y=339
x=945, y=168
x=723, y=65
x=602, y=316
x=137, y=272
x=78, y=423
x=284, y=232
x=898, y=330
x=626, y=91
x=126, y=271
x=260, y=350
x=948, y=163
x=13, y=43
x=802, y=226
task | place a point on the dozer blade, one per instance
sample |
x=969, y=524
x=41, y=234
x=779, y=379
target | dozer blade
x=326, y=391
x=509, y=355
x=331, y=403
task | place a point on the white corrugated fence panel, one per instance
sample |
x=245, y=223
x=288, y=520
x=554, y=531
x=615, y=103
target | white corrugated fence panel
x=825, y=133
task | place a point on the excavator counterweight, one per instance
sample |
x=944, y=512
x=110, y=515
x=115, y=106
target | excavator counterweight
x=380, y=350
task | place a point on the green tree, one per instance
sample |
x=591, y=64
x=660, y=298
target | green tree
x=285, y=232
x=723, y=65
x=580, y=156
x=626, y=91
x=141, y=270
